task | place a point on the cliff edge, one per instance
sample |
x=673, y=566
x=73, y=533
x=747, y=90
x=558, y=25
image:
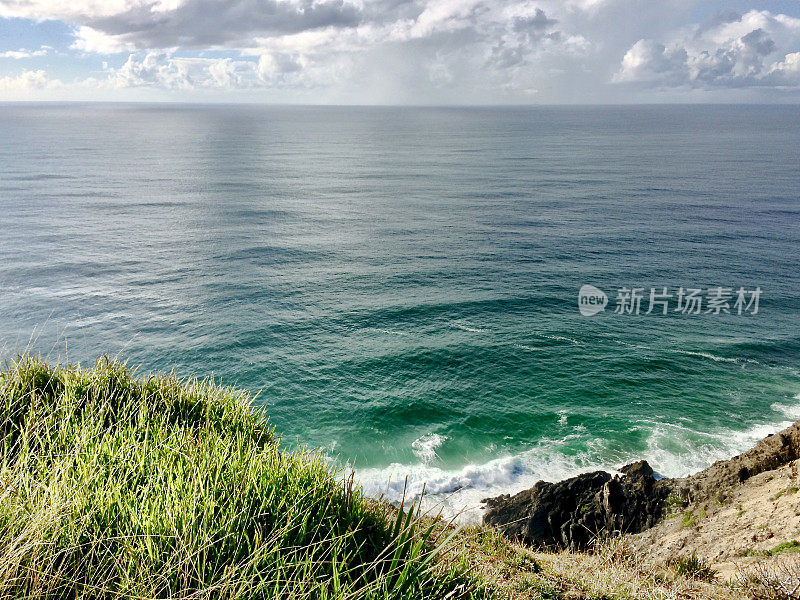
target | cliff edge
x=731, y=514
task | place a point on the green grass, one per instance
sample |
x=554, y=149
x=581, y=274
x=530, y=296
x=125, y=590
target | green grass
x=694, y=567
x=689, y=519
x=792, y=546
x=126, y=487
x=787, y=490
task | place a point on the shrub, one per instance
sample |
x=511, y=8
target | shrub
x=693, y=567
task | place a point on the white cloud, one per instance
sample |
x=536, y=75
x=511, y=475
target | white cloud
x=189, y=24
x=70, y=11
x=23, y=53
x=88, y=39
x=29, y=81
x=223, y=73
x=278, y=66
x=476, y=48
x=126, y=25
x=161, y=70
x=729, y=51
x=423, y=50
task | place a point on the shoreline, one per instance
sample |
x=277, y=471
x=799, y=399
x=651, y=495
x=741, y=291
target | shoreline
x=459, y=492
x=118, y=447
x=730, y=514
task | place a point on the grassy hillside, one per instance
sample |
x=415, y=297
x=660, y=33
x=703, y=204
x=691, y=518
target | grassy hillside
x=114, y=486
x=126, y=487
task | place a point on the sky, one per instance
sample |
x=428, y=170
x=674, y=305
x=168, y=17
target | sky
x=401, y=51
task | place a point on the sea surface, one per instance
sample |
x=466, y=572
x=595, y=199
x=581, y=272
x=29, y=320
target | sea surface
x=400, y=285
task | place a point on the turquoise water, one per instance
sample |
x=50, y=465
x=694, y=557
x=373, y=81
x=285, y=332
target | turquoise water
x=400, y=285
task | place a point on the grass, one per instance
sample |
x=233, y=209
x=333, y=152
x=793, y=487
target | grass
x=774, y=580
x=689, y=519
x=693, y=566
x=787, y=490
x=612, y=570
x=791, y=546
x=126, y=487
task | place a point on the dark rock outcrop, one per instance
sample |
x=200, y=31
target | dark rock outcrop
x=571, y=513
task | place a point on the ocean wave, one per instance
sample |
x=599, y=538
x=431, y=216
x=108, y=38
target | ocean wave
x=709, y=356
x=458, y=493
x=468, y=328
x=561, y=338
x=526, y=348
x=791, y=411
x=424, y=447
x=716, y=358
x=386, y=331
x=673, y=450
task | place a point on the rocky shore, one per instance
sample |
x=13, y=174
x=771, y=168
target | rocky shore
x=739, y=508
x=572, y=513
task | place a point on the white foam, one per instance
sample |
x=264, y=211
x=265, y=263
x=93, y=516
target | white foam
x=526, y=348
x=791, y=411
x=386, y=331
x=709, y=356
x=463, y=327
x=458, y=493
x=673, y=450
x=561, y=338
x=425, y=447
x=675, y=455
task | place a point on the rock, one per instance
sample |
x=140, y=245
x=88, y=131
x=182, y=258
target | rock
x=770, y=453
x=640, y=468
x=573, y=512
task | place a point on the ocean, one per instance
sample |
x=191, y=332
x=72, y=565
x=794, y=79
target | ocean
x=399, y=285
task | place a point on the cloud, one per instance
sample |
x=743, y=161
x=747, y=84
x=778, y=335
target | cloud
x=313, y=43
x=520, y=37
x=127, y=25
x=92, y=40
x=152, y=24
x=23, y=53
x=757, y=49
x=438, y=51
x=29, y=81
x=63, y=11
x=162, y=70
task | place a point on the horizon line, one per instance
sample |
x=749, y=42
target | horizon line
x=387, y=105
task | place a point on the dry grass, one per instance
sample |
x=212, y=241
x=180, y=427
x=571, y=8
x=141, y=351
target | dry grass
x=612, y=571
x=778, y=579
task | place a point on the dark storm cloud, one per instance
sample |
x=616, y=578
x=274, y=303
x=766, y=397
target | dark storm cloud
x=758, y=41
x=526, y=34
x=534, y=24
x=208, y=23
